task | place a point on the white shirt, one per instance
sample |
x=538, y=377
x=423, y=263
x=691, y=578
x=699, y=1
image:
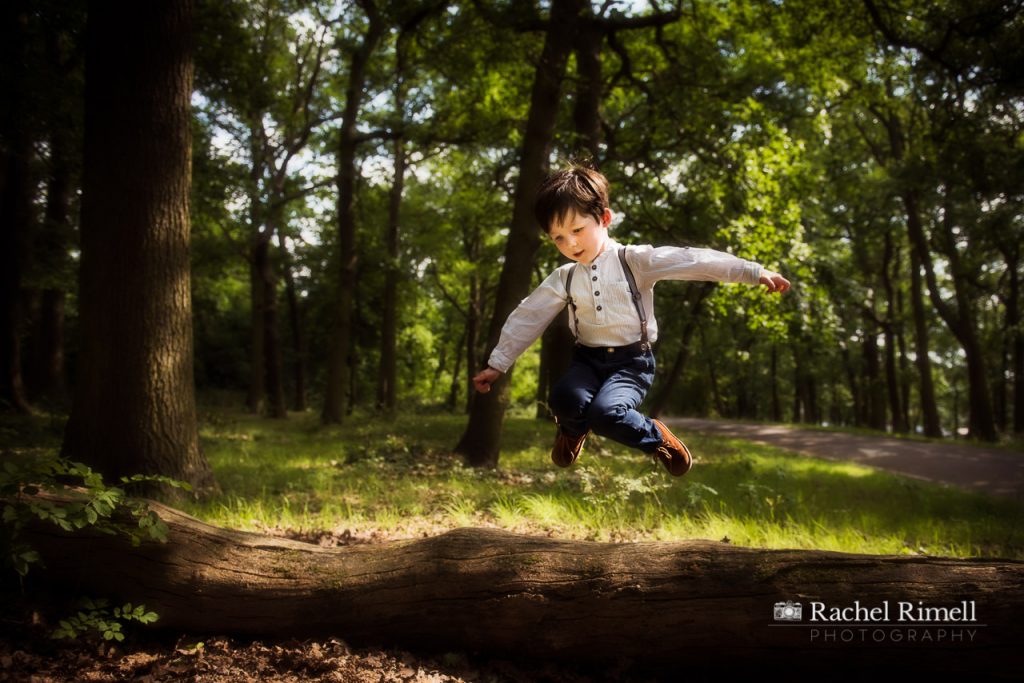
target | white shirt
x=604, y=307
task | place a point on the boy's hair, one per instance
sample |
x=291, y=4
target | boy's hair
x=576, y=188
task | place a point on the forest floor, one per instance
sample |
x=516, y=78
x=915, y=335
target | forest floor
x=375, y=480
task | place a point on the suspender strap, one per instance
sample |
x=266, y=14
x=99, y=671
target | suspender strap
x=637, y=301
x=572, y=304
x=634, y=294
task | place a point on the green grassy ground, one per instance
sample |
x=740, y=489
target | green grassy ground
x=377, y=478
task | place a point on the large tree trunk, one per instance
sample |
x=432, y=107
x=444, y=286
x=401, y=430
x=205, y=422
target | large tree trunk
x=698, y=603
x=341, y=337
x=480, y=442
x=134, y=404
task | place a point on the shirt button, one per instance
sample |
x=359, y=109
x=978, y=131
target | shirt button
x=599, y=308
x=594, y=267
x=594, y=278
x=597, y=293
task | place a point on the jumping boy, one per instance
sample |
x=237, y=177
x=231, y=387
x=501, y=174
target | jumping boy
x=610, y=292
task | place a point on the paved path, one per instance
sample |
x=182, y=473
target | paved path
x=990, y=470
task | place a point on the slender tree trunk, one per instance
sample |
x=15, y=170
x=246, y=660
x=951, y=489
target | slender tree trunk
x=257, y=339
x=295, y=326
x=474, y=310
x=891, y=375
x=873, y=377
x=134, y=405
x=859, y=412
x=929, y=406
x=480, y=442
x=339, y=380
x=387, y=376
x=453, y=389
x=904, y=362
x=776, y=403
x=271, y=327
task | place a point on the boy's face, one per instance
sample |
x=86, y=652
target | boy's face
x=581, y=237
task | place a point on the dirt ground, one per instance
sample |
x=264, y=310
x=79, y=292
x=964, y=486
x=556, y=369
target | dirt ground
x=970, y=466
x=27, y=653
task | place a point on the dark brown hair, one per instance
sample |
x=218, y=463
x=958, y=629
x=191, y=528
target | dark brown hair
x=577, y=188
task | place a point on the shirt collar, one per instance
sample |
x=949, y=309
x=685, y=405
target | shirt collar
x=610, y=247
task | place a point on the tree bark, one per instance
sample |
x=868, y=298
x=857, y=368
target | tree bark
x=257, y=395
x=699, y=602
x=892, y=381
x=134, y=404
x=295, y=325
x=341, y=337
x=481, y=440
x=273, y=361
x=929, y=406
x=387, y=376
x=875, y=394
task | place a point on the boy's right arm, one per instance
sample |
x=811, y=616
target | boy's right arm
x=485, y=378
x=527, y=322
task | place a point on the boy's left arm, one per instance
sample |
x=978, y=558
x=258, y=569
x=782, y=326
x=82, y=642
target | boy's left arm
x=694, y=263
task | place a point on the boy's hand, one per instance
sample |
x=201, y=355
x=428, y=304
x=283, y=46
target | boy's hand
x=485, y=378
x=774, y=282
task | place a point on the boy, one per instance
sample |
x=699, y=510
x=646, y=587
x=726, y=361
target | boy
x=609, y=289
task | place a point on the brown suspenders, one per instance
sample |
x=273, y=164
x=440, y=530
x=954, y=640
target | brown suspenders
x=634, y=294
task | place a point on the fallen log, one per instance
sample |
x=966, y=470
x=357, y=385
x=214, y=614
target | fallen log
x=697, y=602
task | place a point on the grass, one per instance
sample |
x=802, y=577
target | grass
x=395, y=478
x=380, y=478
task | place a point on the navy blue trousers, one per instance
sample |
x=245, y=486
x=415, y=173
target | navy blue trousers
x=600, y=392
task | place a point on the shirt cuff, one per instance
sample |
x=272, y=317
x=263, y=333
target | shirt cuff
x=752, y=272
x=499, y=362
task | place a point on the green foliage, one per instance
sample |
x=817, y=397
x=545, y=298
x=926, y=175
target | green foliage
x=95, y=616
x=80, y=499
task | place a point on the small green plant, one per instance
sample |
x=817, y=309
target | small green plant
x=70, y=495
x=602, y=487
x=96, y=616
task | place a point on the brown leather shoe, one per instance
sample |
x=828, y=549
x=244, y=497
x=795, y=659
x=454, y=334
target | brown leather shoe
x=567, y=448
x=672, y=453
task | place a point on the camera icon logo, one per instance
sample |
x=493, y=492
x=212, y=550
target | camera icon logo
x=788, y=611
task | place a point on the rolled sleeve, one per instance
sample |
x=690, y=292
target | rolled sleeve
x=529, y=320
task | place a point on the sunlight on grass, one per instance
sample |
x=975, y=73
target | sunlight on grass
x=396, y=478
